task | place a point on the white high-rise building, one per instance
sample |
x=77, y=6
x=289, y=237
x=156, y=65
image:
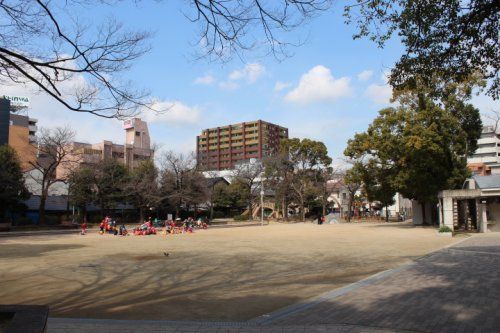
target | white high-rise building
x=488, y=151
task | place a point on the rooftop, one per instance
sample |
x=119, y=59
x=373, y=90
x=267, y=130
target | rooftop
x=487, y=182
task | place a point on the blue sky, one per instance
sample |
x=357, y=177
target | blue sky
x=331, y=87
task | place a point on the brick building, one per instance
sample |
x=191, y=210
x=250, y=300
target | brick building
x=21, y=137
x=220, y=148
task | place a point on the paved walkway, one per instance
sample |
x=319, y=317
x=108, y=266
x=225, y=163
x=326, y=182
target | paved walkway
x=452, y=290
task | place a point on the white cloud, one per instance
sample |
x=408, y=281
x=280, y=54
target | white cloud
x=365, y=75
x=379, y=93
x=384, y=77
x=207, y=80
x=174, y=113
x=318, y=85
x=228, y=85
x=250, y=73
x=50, y=113
x=279, y=86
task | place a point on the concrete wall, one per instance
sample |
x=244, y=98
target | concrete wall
x=446, y=212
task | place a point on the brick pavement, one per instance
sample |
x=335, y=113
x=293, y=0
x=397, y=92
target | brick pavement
x=452, y=290
x=456, y=289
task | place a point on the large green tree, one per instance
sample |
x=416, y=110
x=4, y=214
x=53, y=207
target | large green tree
x=12, y=185
x=448, y=39
x=378, y=183
x=422, y=143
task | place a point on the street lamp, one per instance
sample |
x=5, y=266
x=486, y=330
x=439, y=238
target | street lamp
x=262, y=199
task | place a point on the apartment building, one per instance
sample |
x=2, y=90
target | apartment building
x=137, y=148
x=220, y=148
x=21, y=134
x=486, y=159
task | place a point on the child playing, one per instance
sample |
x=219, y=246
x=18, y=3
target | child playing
x=84, y=228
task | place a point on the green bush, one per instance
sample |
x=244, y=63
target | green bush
x=52, y=220
x=95, y=219
x=219, y=214
x=23, y=220
x=445, y=228
x=240, y=217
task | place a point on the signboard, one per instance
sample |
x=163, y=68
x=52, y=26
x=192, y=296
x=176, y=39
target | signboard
x=129, y=123
x=18, y=101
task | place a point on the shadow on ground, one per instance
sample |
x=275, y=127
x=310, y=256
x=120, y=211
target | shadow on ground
x=159, y=288
x=449, y=291
x=9, y=250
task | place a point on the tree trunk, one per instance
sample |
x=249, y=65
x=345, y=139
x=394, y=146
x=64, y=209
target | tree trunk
x=424, y=222
x=285, y=209
x=324, y=207
x=302, y=211
x=41, y=208
x=386, y=213
x=141, y=215
x=211, y=212
x=349, y=209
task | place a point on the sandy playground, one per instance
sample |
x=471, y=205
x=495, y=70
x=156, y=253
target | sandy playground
x=215, y=274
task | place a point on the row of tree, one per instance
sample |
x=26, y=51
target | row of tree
x=297, y=174
x=175, y=185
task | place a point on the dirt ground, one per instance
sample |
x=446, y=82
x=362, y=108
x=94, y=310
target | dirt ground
x=215, y=274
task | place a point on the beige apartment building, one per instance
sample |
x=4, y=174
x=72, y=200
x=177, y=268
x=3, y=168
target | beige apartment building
x=220, y=148
x=137, y=147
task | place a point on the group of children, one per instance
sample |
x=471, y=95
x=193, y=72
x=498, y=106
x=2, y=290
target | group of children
x=109, y=226
x=178, y=226
x=146, y=228
x=188, y=226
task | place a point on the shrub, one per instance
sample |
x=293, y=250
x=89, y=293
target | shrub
x=23, y=220
x=445, y=228
x=94, y=219
x=219, y=214
x=52, y=220
x=240, y=217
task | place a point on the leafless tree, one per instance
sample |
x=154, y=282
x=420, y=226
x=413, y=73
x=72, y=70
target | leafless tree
x=181, y=184
x=210, y=190
x=78, y=65
x=229, y=26
x=45, y=44
x=327, y=177
x=494, y=117
x=248, y=175
x=279, y=175
x=54, y=158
